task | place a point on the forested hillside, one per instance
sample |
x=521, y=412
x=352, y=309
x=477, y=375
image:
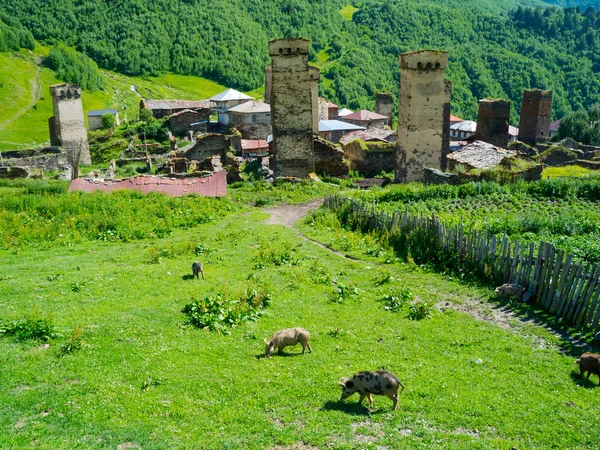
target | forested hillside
x=496, y=50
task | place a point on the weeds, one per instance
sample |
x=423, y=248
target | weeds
x=150, y=382
x=343, y=292
x=396, y=299
x=35, y=327
x=384, y=278
x=420, y=310
x=282, y=255
x=74, y=343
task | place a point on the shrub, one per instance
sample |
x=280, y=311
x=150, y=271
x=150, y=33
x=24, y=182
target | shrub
x=108, y=121
x=36, y=327
x=150, y=381
x=342, y=292
x=280, y=255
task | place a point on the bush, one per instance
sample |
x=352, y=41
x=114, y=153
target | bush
x=419, y=311
x=395, y=299
x=108, y=121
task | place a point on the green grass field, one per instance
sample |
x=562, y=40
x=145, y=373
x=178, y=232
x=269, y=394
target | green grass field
x=146, y=380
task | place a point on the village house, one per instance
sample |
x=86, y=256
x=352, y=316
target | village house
x=188, y=120
x=463, y=130
x=163, y=108
x=370, y=135
x=252, y=119
x=478, y=155
x=344, y=112
x=328, y=110
x=223, y=102
x=333, y=130
x=254, y=148
x=366, y=119
x=95, y=118
x=454, y=119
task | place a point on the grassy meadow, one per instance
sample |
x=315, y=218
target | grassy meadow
x=143, y=378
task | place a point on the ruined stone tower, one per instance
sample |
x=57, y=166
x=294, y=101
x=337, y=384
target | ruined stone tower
x=68, y=121
x=315, y=75
x=384, y=105
x=420, y=113
x=492, y=122
x=291, y=108
x=268, y=83
x=446, y=124
x=536, y=112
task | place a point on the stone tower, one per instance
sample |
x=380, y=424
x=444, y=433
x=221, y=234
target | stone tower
x=69, y=123
x=492, y=122
x=268, y=83
x=420, y=113
x=384, y=105
x=315, y=75
x=536, y=112
x=446, y=124
x=291, y=108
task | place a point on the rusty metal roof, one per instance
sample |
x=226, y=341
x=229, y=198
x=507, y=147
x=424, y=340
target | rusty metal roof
x=176, y=104
x=363, y=114
x=214, y=185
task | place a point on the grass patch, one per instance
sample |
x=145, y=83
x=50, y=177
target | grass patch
x=348, y=11
x=569, y=171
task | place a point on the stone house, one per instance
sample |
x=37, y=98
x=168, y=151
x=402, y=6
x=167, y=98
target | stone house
x=163, y=108
x=333, y=130
x=223, y=102
x=462, y=130
x=366, y=119
x=478, y=155
x=252, y=119
x=189, y=120
x=328, y=110
x=95, y=118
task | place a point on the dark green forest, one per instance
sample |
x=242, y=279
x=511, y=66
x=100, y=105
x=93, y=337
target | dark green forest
x=13, y=36
x=496, y=48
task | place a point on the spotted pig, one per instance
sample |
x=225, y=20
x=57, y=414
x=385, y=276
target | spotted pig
x=590, y=363
x=367, y=383
x=287, y=338
x=510, y=290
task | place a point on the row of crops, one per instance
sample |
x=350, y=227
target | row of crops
x=564, y=212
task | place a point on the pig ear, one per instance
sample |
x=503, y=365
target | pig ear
x=342, y=382
x=266, y=342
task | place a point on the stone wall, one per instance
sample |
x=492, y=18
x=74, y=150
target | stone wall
x=371, y=158
x=291, y=108
x=46, y=158
x=536, y=112
x=206, y=146
x=268, y=83
x=315, y=75
x=69, y=122
x=420, y=113
x=180, y=123
x=492, y=122
x=384, y=105
x=329, y=159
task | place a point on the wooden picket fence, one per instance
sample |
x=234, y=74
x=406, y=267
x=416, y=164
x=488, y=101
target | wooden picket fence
x=552, y=280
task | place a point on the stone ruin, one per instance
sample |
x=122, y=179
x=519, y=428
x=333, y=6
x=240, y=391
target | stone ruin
x=384, y=105
x=291, y=108
x=420, y=117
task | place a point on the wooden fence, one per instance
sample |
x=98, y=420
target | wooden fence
x=551, y=279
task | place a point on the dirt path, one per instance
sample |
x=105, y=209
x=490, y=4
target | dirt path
x=504, y=317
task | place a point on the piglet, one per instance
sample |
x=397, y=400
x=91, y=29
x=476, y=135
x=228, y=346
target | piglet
x=367, y=383
x=287, y=338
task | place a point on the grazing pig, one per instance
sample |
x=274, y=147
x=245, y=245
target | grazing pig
x=590, y=363
x=367, y=383
x=197, y=268
x=286, y=338
x=510, y=290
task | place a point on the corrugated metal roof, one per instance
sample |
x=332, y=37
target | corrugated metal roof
x=214, y=185
x=230, y=94
x=101, y=112
x=454, y=118
x=344, y=112
x=363, y=114
x=513, y=131
x=465, y=125
x=251, y=107
x=337, y=125
x=254, y=144
x=176, y=104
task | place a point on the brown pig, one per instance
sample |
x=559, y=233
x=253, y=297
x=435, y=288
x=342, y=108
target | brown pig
x=590, y=363
x=287, y=338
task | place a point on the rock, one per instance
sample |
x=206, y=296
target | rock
x=436, y=176
x=597, y=337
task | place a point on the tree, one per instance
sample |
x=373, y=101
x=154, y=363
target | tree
x=108, y=121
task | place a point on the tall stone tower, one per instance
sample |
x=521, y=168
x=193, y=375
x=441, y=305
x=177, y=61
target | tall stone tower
x=268, y=83
x=446, y=124
x=420, y=113
x=384, y=105
x=492, y=122
x=68, y=122
x=536, y=112
x=315, y=75
x=291, y=108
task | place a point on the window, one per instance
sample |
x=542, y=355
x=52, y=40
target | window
x=254, y=118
